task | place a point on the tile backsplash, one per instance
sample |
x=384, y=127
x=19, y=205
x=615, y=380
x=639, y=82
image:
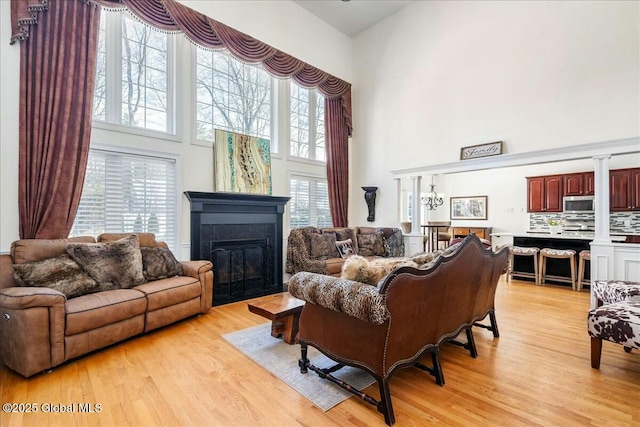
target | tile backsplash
x=619, y=222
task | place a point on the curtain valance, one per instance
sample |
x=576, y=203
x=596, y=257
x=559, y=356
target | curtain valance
x=171, y=16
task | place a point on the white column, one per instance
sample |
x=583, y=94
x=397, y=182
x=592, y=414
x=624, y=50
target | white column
x=398, y=199
x=602, y=250
x=415, y=205
x=601, y=181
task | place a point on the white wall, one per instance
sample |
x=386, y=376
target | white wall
x=282, y=24
x=437, y=76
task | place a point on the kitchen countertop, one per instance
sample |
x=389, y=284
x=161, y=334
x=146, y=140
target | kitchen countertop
x=584, y=235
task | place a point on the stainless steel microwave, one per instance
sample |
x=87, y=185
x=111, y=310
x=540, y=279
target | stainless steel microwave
x=578, y=204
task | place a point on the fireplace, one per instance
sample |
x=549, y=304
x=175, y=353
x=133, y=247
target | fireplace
x=241, y=234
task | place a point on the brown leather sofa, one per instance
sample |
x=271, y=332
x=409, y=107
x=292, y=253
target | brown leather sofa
x=411, y=314
x=303, y=254
x=40, y=328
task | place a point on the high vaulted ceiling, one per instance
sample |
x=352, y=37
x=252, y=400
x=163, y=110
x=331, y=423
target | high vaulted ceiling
x=354, y=16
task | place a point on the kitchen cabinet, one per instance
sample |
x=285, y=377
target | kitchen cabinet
x=481, y=232
x=544, y=193
x=579, y=184
x=624, y=190
x=589, y=184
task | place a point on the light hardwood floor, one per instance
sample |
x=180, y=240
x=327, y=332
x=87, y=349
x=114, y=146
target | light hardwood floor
x=537, y=373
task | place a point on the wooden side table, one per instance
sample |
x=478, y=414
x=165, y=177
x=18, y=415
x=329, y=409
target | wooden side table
x=284, y=312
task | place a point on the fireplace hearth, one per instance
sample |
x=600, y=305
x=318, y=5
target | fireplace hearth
x=241, y=234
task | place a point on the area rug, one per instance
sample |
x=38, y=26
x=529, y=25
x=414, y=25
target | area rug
x=282, y=361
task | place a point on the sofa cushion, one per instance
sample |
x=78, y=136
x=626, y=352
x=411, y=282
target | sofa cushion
x=159, y=263
x=345, y=247
x=342, y=233
x=323, y=245
x=114, y=265
x=371, y=244
x=334, y=266
x=103, y=308
x=171, y=291
x=28, y=250
x=61, y=273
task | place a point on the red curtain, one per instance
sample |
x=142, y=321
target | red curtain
x=337, y=138
x=57, y=77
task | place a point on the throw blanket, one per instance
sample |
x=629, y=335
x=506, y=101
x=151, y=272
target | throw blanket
x=373, y=271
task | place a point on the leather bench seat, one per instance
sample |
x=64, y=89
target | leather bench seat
x=93, y=311
x=165, y=292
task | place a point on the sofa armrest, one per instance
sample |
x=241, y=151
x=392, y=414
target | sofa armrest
x=203, y=271
x=355, y=299
x=32, y=328
x=298, y=253
x=19, y=298
x=195, y=268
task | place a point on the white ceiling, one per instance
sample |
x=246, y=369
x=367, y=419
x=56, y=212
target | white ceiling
x=354, y=16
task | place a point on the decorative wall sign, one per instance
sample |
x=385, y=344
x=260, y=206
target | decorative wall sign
x=469, y=207
x=482, y=150
x=242, y=163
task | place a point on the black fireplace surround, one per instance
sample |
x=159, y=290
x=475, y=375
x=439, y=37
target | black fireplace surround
x=241, y=234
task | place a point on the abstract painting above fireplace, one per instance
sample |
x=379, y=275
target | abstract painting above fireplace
x=241, y=234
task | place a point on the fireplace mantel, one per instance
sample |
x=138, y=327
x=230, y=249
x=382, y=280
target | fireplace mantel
x=212, y=202
x=226, y=227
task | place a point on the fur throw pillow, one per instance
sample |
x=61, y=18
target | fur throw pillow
x=324, y=246
x=159, y=263
x=371, y=244
x=113, y=265
x=60, y=273
x=372, y=271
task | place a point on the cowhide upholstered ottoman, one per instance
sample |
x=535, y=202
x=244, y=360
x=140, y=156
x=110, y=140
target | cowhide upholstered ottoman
x=618, y=322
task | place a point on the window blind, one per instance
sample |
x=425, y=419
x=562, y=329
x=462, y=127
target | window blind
x=128, y=193
x=309, y=205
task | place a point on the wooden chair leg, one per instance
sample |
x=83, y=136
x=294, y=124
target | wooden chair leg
x=385, y=405
x=471, y=343
x=596, y=352
x=535, y=270
x=437, y=368
x=543, y=265
x=304, y=360
x=510, y=268
x=580, y=274
x=494, y=324
x=572, y=263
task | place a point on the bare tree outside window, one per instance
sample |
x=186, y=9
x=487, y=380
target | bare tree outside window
x=144, y=76
x=307, y=123
x=139, y=54
x=100, y=94
x=231, y=95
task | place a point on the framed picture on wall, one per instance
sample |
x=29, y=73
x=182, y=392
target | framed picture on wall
x=469, y=207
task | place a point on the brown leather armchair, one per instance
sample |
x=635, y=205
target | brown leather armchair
x=413, y=312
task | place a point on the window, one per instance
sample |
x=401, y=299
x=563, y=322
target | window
x=309, y=205
x=307, y=123
x=134, y=78
x=231, y=95
x=128, y=193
